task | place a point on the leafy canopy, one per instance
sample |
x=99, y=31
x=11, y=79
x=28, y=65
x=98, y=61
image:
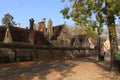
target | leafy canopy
x=82, y=10
x=7, y=20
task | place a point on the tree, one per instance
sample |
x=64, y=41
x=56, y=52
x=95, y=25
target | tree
x=118, y=33
x=93, y=29
x=7, y=20
x=105, y=12
x=83, y=30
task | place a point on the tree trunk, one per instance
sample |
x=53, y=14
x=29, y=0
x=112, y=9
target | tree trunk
x=112, y=38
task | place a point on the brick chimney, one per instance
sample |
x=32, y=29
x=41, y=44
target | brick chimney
x=42, y=26
x=31, y=23
x=32, y=32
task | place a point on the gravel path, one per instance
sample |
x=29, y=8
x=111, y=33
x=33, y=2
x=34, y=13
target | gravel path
x=79, y=69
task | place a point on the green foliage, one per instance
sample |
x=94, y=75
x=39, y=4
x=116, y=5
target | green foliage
x=81, y=10
x=104, y=10
x=7, y=20
x=65, y=12
x=94, y=29
x=92, y=33
x=82, y=30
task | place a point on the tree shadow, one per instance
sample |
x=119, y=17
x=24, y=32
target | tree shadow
x=39, y=70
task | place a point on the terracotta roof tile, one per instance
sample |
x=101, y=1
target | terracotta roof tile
x=40, y=39
x=22, y=35
x=2, y=32
x=19, y=34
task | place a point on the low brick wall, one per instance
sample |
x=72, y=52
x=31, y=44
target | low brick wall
x=6, y=55
x=36, y=54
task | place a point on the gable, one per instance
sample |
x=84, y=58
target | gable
x=19, y=35
x=56, y=31
x=8, y=37
x=81, y=40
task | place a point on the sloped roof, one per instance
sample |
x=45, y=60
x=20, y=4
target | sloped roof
x=80, y=38
x=19, y=34
x=22, y=35
x=56, y=31
x=40, y=39
x=2, y=32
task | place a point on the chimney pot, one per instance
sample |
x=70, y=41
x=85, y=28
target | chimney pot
x=31, y=23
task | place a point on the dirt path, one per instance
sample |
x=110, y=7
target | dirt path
x=80, y=69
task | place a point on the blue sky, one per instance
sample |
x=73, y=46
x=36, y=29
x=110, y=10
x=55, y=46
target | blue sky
x=23, y=10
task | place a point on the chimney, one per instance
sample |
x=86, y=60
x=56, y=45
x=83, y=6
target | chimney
x=42, y=25
x=43, y=20
x=50, y=29
x=26, y=27
x=31, y=23
x=18, y=25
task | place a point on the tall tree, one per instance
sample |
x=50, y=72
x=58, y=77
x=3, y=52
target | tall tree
x=105, y=12
x=93, y=29
x=7, y=20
